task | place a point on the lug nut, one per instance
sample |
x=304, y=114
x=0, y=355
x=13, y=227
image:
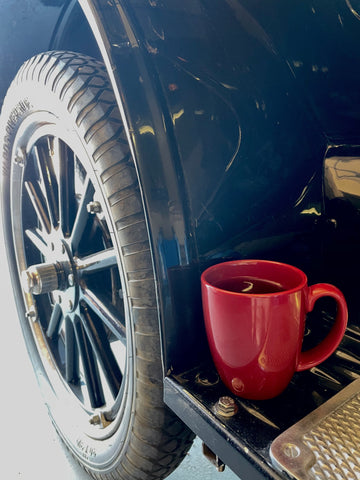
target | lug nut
x=93, y=207
x=226, y=407
x=99, y=419
x=95, y=420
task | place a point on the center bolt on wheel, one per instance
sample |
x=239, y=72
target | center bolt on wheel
x=38, y=279
x=55, y=278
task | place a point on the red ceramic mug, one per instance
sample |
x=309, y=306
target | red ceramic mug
x=255, y=313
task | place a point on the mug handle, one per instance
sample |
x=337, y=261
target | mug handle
x=321, y=352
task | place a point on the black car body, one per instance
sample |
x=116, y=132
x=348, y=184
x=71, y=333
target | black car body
x=243, y=119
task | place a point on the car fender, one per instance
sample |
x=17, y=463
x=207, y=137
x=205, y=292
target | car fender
x=204, y=124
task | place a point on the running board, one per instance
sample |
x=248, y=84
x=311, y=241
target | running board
x=326, y=443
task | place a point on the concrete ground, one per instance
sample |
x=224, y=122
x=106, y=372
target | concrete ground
x=29, y=446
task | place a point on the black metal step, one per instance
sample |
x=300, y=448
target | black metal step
x=242, y=440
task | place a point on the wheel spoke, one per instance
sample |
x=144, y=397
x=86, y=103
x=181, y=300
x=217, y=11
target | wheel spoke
x=107, y=313
x=97, y=261
x=39, y=205
x=64, y=158
x=101, y=346
x=91, y=372
x=48, y=181
x=71, y=353
x=81, y=215
x=54, y=322
x=36, y=238
x=90, y=344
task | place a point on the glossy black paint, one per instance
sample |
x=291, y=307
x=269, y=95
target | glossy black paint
x=238, y=119
x=229, y=137
x=248, y=126
x=194, y=404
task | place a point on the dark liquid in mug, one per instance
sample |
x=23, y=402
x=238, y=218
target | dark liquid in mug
x=250, y=285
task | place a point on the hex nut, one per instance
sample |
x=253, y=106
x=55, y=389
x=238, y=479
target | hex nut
x=95, y=420
x=226, y=407
x=93, y=207
x=99, y=419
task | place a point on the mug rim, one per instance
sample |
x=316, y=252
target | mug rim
x=301, y=284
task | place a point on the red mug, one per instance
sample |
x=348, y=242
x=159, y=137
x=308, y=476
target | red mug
x=255, y=312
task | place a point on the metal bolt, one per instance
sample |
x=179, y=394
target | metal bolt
x=41, y=278
x=31, y=314
x=93, y=207
x=99, y=419
x=95, y=420
x=20, y=156
x=226, y=407
x=291, y=450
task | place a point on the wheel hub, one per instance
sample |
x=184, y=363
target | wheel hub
x=43, y=278
x=57, y=278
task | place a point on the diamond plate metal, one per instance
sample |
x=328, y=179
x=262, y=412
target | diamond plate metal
x=326, y=444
